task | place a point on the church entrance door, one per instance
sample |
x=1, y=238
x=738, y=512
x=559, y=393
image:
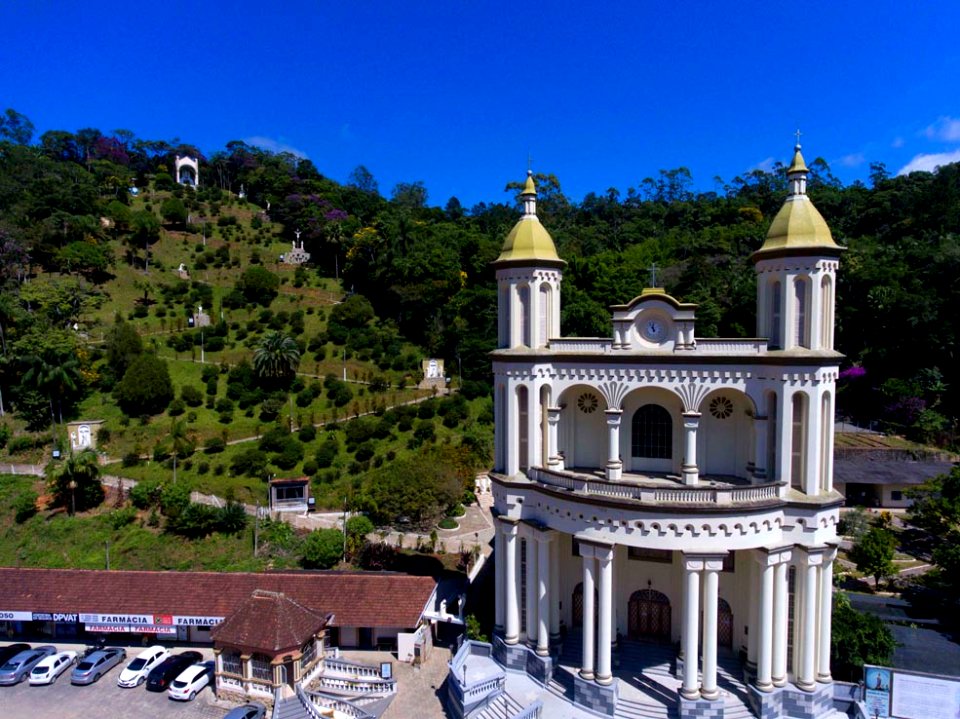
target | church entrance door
x=724, y=624
x=648, y=615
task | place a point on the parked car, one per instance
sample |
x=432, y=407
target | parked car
x=190, y=681
x=135, y=673
x=94, y=666
x=49, y=668
x=169, y=669
x=11, y=650
x=18, y=666
x=254, y=710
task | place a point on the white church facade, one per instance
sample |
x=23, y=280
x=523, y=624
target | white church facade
x=661, y=488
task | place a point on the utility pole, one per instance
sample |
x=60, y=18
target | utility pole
x=106, y=546
x=344, y=529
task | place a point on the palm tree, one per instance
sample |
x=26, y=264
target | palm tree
x=54, y=375
x=276, y=357
x=75, y=481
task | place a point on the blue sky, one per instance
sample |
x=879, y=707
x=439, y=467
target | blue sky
x=458, y=94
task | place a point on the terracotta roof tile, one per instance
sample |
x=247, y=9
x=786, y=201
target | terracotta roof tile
x=269, y=621
x=356, y=599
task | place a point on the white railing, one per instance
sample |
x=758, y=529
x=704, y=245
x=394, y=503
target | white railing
x=315, y=700
x=357, y=686
x=351, y=670
x=680, y=495
x=531, y=712
x=581, y=344
x=724, y=346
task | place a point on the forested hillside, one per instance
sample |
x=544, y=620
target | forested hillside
x=66, y=214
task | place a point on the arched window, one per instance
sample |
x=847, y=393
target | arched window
x=503, y=312
x=652, y=433
x=826, y=449
x=801, y=331
x=523, y=401
x=776, y=312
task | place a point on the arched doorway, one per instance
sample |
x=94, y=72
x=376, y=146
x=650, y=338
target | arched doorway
x=724, y=624
x=648, y=615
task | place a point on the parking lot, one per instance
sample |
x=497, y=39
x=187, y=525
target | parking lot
x=62, y=700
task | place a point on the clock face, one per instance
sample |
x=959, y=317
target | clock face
x=653, y=330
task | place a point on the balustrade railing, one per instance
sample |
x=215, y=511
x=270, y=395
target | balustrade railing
x=723, y=345
x=581, y=344
x=317, y=700
x=531, y=712
x=650, y=494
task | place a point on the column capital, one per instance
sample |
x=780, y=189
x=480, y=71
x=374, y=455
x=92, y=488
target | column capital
x=508, y=526
x=593, y=548
x=613, y=414
x=812, y=556
x=691, y=415
x=766, y=556
x=700, y=561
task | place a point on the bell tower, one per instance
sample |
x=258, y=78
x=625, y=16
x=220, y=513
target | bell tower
x=797, y=272
x=529, y=273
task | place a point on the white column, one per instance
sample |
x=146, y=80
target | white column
x=806, y=679
x=516, y=331
x=753, y=618
x=554, y=461
x=764, y=630
x=785, y=436
x=760, y=473
x=614, y=465
x=691, y=473
x=811, y=482
x=534, y=430
x=589, y=564
x=555, y=590
x=532, y=582
x=605, y=561
x=498, y=565
x=534, y=318
x=512, y=608
x=512, y=437
x=691, y=608
x=826, y=614
x=779, y=668
x=543, y=593
x=711, y=584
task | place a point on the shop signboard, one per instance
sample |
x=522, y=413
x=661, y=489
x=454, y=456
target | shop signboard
x=139, y=628
x=10, y=616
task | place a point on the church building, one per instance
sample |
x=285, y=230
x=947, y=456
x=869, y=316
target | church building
x=657, y=491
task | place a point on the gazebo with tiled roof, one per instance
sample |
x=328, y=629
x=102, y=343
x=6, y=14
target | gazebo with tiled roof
x=269, y=641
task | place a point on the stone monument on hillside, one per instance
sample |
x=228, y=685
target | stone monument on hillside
x=297, y=255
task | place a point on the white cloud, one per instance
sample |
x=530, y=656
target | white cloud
x=945, y=128
x=897, y=142
x=268, y=143
x=929, y=162
x=764, y=165
x=854, y=159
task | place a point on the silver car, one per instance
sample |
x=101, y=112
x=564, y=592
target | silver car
x=254, y=710
x=17, y=667
x=94, y=666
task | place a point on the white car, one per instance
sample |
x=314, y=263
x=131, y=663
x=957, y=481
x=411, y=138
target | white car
x=47, y=671
x=191, y=680
x=135, y=673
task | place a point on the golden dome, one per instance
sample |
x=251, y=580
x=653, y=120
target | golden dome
x=528, y=241
x=798, y=226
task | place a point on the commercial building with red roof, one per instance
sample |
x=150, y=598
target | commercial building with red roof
x=368, y=608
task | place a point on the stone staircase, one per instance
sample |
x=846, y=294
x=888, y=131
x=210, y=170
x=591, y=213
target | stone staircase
x=290, y=708
x=648, y=685
x=502, y=707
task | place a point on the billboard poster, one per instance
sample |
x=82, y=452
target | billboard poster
x=138, y=628
x=918, y=696
x=876, y=690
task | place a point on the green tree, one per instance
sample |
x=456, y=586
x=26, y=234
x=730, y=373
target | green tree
x=123, y=347
x=146, y=387
x=258, y=285
x=174, y=212
x=75, y=481
x=358, y=527
x=276, y=357
x=857, y=638
x=54, y=374
x=323, y=549
x=873, y=554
